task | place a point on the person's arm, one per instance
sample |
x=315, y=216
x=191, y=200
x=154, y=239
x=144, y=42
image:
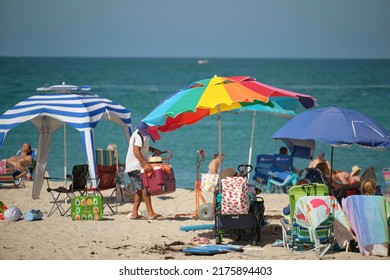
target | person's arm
x=144, y=163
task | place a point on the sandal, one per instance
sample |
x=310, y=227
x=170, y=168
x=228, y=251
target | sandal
x=157, y=217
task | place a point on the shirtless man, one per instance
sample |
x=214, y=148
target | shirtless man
x=18, y=163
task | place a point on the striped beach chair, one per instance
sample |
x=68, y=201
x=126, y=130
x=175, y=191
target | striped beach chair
x=109, y=177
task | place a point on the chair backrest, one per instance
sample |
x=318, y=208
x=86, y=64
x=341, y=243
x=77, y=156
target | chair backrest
x=106, y=157
x=79, y=177
x=107, y=176
x=263, y=165
x=298, y=191
x=282, y=163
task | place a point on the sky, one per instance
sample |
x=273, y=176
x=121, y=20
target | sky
x=199, y=28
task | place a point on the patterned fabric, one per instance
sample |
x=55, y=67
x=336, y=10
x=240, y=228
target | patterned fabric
x=235, y=198
x=3, y=166
x=33, y=215
x=209, y=182
x=311, y=211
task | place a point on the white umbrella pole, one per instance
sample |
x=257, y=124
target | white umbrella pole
x=219, y=149
x=252, y=136
x=65, y=162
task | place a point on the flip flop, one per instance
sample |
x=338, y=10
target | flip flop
x=157, y=217
x=138, y=217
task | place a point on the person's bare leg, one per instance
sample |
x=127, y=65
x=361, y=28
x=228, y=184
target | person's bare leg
x=149, y=207
x=136, y=204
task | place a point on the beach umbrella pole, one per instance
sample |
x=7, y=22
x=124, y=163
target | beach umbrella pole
x=219, y=149
x=252, y=136
x=65, y=161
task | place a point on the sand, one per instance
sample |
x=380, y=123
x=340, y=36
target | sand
x=118, y=238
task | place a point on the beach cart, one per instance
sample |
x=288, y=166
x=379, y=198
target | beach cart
x=239, y=212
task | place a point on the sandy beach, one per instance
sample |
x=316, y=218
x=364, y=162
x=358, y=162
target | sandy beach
x=118, y=238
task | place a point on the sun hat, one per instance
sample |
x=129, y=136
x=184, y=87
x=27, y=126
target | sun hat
x=150, y=131
x=13, y=214
x=355, y=169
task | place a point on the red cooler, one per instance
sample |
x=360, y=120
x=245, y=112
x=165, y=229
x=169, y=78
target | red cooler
x=162, y=181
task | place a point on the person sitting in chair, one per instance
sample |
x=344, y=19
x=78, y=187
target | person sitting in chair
x=19, y=163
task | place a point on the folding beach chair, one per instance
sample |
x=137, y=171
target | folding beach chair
x=77, y=183
x=8, y=180
x=263, y=165
x=109, y=177
x=298, y=236
x=281, y=175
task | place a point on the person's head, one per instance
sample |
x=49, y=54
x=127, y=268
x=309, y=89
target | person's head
x=216, y=156
x=323, y=167
x=112, y=147
x=321, y=156
x=368, y=187
x=26, y=148
x=355, y=171
x=303, y=182
x=283, y=151
x=150, y=131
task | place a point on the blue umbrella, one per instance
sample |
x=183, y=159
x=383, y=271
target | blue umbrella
x=334, y=126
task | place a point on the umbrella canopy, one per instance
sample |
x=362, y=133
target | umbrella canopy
x=218, y=94
x=277, y=110
x=214, y=95
x=50, y=111
x=334, y=126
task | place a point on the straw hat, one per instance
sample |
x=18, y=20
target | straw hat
x=355, y=169
x=228, y=172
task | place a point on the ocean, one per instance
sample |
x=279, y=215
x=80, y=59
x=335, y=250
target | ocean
x=141, y=83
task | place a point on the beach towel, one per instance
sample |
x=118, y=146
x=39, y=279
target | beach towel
x=3, y=166
x=368, y=216
x=208, y=182
x=311, y=211
x=235, y=198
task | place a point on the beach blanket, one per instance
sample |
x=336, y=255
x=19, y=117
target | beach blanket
x=311, y=211
x=368, y=216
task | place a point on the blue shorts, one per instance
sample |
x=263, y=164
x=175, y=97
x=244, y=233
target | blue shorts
x=135, y=181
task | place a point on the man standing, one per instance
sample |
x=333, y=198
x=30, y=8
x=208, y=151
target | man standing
x=137, y=158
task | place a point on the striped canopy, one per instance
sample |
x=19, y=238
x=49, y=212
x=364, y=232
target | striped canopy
x=50, y=111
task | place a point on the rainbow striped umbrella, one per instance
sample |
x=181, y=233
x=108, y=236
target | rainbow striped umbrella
x=215, y=95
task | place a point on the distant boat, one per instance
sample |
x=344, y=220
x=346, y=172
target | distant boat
x=203, y=61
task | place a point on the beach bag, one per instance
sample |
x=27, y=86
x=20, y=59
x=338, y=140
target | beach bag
x=13, y=214
x=208, y=182
x=235, y=199
x=33, y=215
x=3, y=207
x=124, y=193
x=87, y=208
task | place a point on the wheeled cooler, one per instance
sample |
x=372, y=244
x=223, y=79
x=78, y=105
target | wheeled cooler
x=162, y=181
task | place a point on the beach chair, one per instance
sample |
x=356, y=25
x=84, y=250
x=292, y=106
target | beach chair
x=263, y=165
x=108, y=177
x=317, y=236
x=281, y=175
x=8, y=180
x=74, y=183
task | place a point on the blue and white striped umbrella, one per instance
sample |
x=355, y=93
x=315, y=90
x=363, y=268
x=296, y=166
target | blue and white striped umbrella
x=50, y=111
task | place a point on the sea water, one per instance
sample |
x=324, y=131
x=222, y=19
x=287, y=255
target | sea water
x=141, y=83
